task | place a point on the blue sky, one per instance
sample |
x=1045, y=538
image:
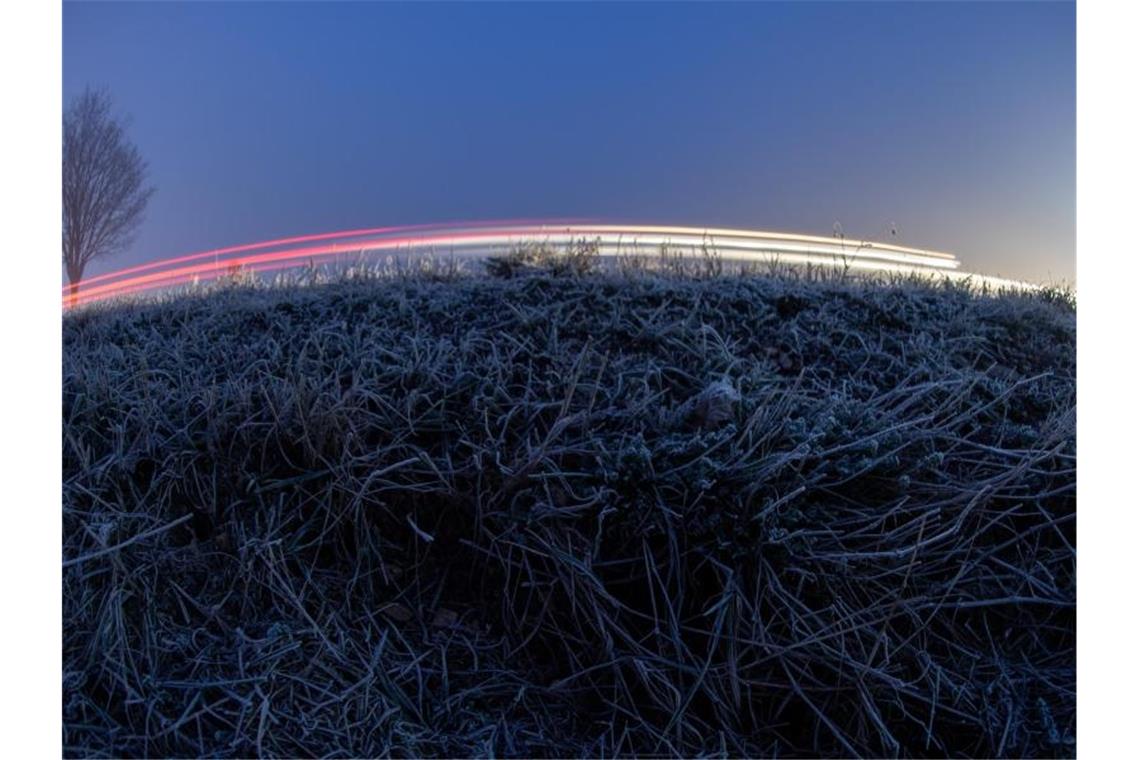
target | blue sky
x=955, y=122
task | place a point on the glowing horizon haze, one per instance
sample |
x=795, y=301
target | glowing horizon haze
x=951, y=124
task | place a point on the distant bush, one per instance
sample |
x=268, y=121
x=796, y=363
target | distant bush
x=622, y=514
x=578, y=258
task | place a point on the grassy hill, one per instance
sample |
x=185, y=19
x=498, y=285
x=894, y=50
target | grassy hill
x=571, y=515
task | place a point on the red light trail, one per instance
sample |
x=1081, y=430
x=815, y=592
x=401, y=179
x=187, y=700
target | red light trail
x=475, y=239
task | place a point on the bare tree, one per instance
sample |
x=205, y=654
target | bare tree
x=104, y=192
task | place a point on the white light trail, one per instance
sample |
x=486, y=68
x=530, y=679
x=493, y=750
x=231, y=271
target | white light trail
x=481, y=239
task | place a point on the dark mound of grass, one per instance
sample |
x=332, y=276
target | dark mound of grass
x=570, y=516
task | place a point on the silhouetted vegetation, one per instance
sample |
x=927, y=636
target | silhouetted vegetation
x=104, y=190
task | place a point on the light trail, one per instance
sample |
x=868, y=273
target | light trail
x=482, y=239
x=217, y=252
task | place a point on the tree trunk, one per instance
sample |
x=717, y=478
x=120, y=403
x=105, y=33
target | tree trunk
x=73, y=289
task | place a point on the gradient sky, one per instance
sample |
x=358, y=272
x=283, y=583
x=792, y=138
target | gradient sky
x=955, y=122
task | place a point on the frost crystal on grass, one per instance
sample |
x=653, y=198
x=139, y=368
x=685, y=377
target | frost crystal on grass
x=559, y=513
